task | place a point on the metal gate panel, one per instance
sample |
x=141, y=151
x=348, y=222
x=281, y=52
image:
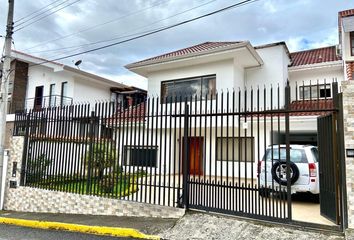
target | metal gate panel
x=328, y=168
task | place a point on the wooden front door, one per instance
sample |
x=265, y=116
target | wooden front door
x=195, y=155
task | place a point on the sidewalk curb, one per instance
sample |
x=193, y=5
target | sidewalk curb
x=99, y=230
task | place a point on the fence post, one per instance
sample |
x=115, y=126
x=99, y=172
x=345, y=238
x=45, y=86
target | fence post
x=338, y=105
x=91, y=136
x=186, y=158
x=287, y=142
x=25, y=151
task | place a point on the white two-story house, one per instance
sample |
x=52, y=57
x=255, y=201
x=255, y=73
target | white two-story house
x=38, y=83
x=221, y=67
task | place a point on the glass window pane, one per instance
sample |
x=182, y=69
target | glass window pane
x=208, y=87
x=296, y=155
x=233, y=149
x=193, y=87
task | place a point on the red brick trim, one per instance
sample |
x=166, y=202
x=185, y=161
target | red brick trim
x=349, y=70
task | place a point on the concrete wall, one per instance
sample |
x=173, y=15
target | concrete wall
x=26, y=199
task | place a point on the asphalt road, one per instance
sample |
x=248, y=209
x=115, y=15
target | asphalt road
x=9, y=232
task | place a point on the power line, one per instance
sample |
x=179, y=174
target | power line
x=95, y=26
x=47, y=15
x=239, y=4
x=124, y=36
x=39, y=10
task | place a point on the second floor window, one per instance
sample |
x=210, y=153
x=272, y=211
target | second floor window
x=52, y=101
x=64, y=93
x=199, y=87
x=315, y=91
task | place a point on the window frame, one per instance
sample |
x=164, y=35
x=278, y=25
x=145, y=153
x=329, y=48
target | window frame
x=200, y=78
x=252, y=151
x=351, y=40
x=62, y=92
x=126, y=161
x=51, y=95
x=317, y=87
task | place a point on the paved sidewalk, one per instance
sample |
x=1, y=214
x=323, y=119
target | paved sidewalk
x=148, y=226
x=210, y=226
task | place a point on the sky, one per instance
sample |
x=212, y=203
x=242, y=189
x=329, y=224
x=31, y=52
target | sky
x=302, y=24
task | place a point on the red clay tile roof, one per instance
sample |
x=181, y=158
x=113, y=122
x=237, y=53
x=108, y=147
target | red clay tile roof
x=304, y=105
x=203, y=47
x=346, y=13
x=131, y=114
x=313, y=56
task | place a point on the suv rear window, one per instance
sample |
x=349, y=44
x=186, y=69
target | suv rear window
x=296, y=155
x=315, y=154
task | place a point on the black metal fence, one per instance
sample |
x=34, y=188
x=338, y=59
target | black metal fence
x=203, y=152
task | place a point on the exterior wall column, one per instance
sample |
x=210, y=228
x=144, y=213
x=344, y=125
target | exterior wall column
x=348, y=118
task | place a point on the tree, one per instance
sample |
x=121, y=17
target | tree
x=100, y=157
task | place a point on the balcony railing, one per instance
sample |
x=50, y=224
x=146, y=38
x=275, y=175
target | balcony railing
x=48, y=101
x=38, y=103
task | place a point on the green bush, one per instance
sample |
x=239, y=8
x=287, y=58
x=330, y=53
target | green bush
x=36, y=168
x=100, y=157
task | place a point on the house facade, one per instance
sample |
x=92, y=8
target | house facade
x=217, y=68
x=38, y=83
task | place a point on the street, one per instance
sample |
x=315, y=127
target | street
x=10, y=232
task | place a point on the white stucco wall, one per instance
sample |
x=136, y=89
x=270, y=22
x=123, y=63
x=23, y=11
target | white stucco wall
x=90, y=91
x=80, y=89
x=324, y=74
x=44, y=76
x=224, y=71
x=274, y=72
x=346, y=51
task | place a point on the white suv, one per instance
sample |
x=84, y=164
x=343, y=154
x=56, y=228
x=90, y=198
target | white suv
x=304, y=175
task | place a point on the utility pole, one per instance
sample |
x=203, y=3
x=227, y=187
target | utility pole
x=6, y=71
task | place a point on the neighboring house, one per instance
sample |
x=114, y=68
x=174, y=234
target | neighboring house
x=37, y=83
x=346, y=41
x=211, y=67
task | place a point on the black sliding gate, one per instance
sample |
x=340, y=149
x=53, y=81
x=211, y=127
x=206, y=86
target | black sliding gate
x=217, y=152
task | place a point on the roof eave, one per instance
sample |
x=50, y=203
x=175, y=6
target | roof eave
x=93, y=76
x=338, y=63
x=138, y=68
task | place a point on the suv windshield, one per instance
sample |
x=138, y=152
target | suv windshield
x=296, y=155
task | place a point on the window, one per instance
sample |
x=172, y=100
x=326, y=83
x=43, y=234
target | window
x=315, y=154
x=296, y=155
x=195, y=87
x=352, y=43
x=235, y=149
x=64, y=92
x=315, y=91
x=52, y=99
x=140, y=156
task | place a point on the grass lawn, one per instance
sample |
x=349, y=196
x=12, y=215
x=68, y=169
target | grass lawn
x=122, y=187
